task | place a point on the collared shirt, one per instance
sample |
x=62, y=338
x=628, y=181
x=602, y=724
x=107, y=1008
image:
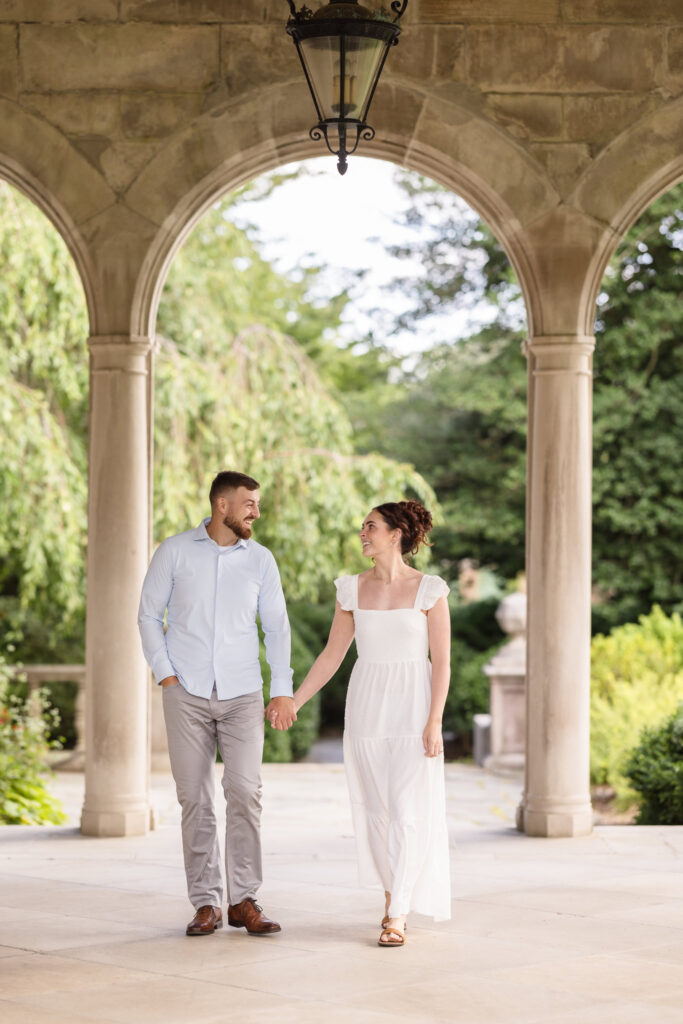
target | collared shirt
x=213, y=595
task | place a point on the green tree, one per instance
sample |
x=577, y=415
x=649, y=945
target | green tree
x=461, y=262
x=234, y=390
x=468, y=400
x=43, y=408
x=462, y=422
x=244, y=371
x=637, y=481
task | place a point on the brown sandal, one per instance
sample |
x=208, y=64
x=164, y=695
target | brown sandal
x=400, y=941
x=385, y=922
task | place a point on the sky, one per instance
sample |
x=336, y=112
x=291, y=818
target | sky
x=344, y=223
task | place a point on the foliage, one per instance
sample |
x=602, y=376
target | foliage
x=469, y=693
x=637, y=483
x=43, y=408
x=24, y=728
x=474, y=624
x=476, y=637
x=461, y=260
x=226, y=310
x=313, y=622
x=297, y=741
x=655, y=770
x=462, y=421
x=249, y=397
x=462, y=416
x=236, y=385
x=637, y=681
x=219, y=285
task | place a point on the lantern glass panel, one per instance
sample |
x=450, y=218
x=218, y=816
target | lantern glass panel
x=323, y=59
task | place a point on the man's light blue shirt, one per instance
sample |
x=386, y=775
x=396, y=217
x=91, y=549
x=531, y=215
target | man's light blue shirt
x=213, y=595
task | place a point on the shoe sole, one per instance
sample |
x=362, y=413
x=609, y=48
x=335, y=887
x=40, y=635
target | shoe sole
x=238, y=924
x=214, y=929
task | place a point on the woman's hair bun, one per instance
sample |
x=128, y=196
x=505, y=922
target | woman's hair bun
x=411, y=518
x=421, y=514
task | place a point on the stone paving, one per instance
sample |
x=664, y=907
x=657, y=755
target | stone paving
x=558, y=931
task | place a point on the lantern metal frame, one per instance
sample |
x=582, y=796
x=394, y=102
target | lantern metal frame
x=305, y=24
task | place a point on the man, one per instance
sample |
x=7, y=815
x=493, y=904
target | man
x=211, y=582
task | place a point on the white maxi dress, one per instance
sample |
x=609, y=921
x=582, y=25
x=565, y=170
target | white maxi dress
x=397, y=794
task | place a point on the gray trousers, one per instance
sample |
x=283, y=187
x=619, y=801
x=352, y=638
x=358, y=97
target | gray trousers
x=196, y=727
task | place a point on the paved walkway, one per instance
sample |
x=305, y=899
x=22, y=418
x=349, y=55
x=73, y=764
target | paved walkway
x=549, y=931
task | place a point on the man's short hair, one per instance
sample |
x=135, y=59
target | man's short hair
x=229, y=480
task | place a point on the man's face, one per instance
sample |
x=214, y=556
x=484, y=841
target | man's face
x=240, y=509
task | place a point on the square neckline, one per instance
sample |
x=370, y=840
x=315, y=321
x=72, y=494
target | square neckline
x=412, y=608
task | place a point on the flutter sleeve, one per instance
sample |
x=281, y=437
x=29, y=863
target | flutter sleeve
x=432, y=589
x=345, y=592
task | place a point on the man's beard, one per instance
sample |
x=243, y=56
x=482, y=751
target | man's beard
x=240, y=529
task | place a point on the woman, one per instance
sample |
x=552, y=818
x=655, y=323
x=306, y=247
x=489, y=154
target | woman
x=393, y=748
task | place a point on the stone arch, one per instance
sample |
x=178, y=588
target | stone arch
x=449, y=144
x=637, y=167
x=37, y=160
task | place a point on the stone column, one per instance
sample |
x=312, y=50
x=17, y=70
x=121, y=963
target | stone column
x=117, y=786
x=556, y=799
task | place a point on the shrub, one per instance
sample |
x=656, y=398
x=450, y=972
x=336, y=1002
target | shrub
x=24, y=729
x=38, y=636
x=655, y=770
x=312, y=622
x=468, y=694
x=475, y=624
x=637, y=681
x=476, y=638
x=297, y=741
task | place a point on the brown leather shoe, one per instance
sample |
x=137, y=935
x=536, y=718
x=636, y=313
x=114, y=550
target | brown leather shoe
x=205, y=921
x=249, y=915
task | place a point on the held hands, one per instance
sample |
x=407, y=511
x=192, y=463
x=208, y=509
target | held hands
x=432, y=739
x=281, y=713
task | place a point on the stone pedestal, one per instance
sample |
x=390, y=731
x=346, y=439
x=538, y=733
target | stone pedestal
x=117, y=694
x=507, y=673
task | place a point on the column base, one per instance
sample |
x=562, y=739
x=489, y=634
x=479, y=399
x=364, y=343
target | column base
x=116, y=823
x=559, y=822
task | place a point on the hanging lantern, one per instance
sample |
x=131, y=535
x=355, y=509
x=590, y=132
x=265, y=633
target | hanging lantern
x=342, y=48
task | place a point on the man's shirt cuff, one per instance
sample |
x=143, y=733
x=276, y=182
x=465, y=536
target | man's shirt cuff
x=282, y=686
x=162, y=669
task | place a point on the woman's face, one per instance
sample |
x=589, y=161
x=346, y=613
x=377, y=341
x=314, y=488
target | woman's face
x=376, y=536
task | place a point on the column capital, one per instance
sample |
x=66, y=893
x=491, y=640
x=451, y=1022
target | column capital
x=560, y=354
x=120, y=352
